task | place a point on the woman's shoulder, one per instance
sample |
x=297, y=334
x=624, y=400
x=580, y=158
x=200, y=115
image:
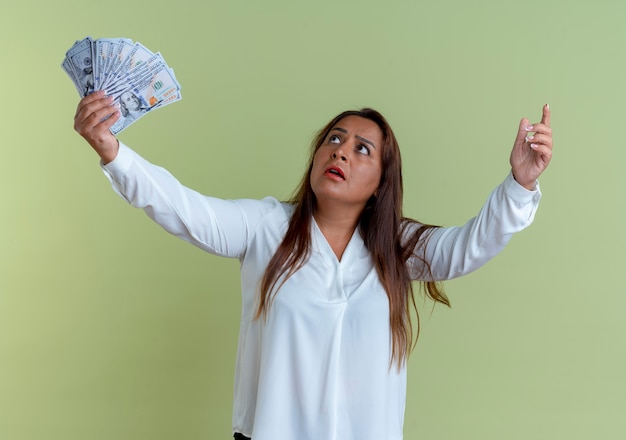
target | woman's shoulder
x=266, y=208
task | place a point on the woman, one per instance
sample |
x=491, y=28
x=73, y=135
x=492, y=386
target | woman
x=326, y=278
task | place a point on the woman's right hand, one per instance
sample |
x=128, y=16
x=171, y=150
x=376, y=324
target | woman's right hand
x=91, y=124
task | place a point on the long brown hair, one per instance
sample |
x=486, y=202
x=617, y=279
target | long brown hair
x=390, y=238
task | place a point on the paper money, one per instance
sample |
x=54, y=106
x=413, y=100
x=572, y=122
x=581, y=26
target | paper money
x=79, y=63
x=139, y=80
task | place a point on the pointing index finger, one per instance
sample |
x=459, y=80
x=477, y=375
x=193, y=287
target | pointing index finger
x=545, y=117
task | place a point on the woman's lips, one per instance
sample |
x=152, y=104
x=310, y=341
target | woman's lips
x=335, y=172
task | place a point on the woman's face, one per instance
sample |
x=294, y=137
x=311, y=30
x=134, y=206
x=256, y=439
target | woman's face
x=347, y=167
x=130, y=101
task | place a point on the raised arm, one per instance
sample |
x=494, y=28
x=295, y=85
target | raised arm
x=221, y=227
x=456, y=251
x=459, y=250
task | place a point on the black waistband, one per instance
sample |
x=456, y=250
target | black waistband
x=238, y=436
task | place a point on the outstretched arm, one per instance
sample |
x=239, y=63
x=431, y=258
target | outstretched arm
x=511, y=207
x=217, y=226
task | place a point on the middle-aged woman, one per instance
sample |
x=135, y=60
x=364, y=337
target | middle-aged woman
x=327, y=277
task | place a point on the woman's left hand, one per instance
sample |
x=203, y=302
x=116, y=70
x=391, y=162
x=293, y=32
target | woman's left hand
x=532, y=150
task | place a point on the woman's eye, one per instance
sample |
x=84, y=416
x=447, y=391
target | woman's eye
x=363, y=149
x=334, y=139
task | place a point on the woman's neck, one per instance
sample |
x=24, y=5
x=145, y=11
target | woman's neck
x=337, y=226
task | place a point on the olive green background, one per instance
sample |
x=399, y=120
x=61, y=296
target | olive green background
x=112, y=329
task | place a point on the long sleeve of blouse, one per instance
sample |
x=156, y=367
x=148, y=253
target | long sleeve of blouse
x=220, y=227
x=459, y=250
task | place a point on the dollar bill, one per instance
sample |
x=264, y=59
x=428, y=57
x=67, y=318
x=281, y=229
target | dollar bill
x=136, y=56
x=136, y=74
x=79, y=59
x=139, y=80
x=155, y=91
x=122, y=50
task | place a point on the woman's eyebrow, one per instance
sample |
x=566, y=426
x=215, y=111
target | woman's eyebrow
x=367, y=141
x=361, y=138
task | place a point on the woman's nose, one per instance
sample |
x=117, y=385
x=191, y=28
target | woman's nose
x=338, y=153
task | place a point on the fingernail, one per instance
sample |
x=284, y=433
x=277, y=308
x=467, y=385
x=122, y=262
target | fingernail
x=529, y=128
x=548, y=106
x=534, y=146
x=530, y=138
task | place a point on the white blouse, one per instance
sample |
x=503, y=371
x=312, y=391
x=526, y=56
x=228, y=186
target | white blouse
x=318, y=366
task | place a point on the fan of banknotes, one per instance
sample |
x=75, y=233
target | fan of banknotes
x=139, y=80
